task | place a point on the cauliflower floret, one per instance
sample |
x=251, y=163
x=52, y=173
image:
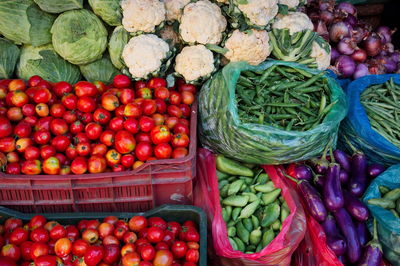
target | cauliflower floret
x=194, y=62
x=290, y=3
x=251, y=47
x=144, y=54
x=260, y=12
x=322, y=57
x=142, y=15
x=294, y=21
x=202, y=22
x=174, y=8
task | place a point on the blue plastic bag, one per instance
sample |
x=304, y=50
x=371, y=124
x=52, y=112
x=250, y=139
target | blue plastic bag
x=388, y=224
x=357, y=128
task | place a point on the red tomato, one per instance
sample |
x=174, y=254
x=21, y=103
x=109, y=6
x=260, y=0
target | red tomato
x=65, y=170
x=161, y=93
x=101, y=116
x=180, y=140
x=90, y=235
x=132, y=110
x=109, y=102
x=107, y=137
x=157, y=222
x=192, y=255
x=79, y=247
x=127, y=160
x=111, y=254
x=110, y=219
x=155, y=234
x=160, y=134
x=57, y=110
x=116, y=124
x=145, y=263
x=174, y=110
x=26, y=250
x=58, y=126
x=127, y=96
x=31, y=167
x=124, y=142
x=119, y=111
x=143, y=151
x=86, y=118
x=174, y=227
x=70, y=117
x=11, y=251
x=13, y=168
x=44, y=84
x=171, y=122
x=119, y=232
x=70, y=101
x=187, y=87
x=47, y=260
x=175, y=98
x=100, y=86
x=79, y=166
x=149, y=107
x=161, y=106
x=86, y=104
x=51, y=166
x=121, y=81
x=39, y=249
x=162, y=246
x=22, y=130
x=190, y=234
x=5, y=127
x=58, y=232
x=60, y=143
x=34, y=81
x=179, y=249
x=21, y=145
x=148, y=253
x=108, y=240
x=132, y=125
x=181, y=128
x=93, y=131
x=39, y=235
x=97, y=164
x=163, y=258
x=169, y=237
x=13, y=157
x=156, y=83
x=99, y=149
x=18, y=236
x=146, y=123
x=143, y=233
x=50, y=225
x=143, y=137
x=71, y=152
x=76, y=127
x=83, y=148
x=43, y=124
x=140, y=84
x=187, y=97
x=179, y=153
x=105, y=229
x=144, y=93
x=42, y=95
x=137, y=223
x=163, y=151
x=121, y=224
x=72, y=232
x=63, y=247
x=19, y=98
x=61, y=158
x=94, y=255
x=41, y=137
x=85, y=88
x=190, y=224
x=158, y=119
x=129, y=237
x=15, y=113
x=130, y=259
x=7, y=144
x=62, y=88
x=128, y=248
x=185, y=109
x=28, y=110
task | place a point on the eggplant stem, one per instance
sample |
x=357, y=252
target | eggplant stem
x=291, y=178
x=354, y=149
x=332, y=157
x=375, y=236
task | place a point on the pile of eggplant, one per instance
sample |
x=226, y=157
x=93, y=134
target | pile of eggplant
x=331, y=187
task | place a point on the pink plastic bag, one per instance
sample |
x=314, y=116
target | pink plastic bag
x=280, y=250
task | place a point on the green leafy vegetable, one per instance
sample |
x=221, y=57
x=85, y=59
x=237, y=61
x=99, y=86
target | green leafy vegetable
x=100, y=70
x=21, y=21
x=45, y=62
x=9, y=54
x=118, y=40
x=79, y=36
x=59, y=6
x=108, y=10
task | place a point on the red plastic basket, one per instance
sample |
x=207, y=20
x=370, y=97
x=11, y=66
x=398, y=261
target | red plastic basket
x=152, y=184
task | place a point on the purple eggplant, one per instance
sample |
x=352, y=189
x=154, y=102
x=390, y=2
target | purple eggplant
x=300, y=171
x=373, y=251
x=344, y=176
x=358, y=180
x=332, y=192
x=343, y=159
x=333, y=238
x=362, y=231
x=319, y=181
x=320, y=165
x=374, y=170
x=355, y=207
x=348, y=229
x=330, y=226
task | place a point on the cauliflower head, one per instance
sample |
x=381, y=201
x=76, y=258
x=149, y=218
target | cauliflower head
x=321, y=56
x=202, y=22
x=144, y=54
x=252, y=47
x=294, y=21
x=194, y=62
x=290, y=3
x=259, y=12
x=142, y=15
x=174, y=8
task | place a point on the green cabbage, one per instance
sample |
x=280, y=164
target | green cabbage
x=59, y=6
x=79, y=36
x=108, y=10
x=118, y=40
x=9, y=54
x=21, y=21
x=45, y=62
x=100, y=70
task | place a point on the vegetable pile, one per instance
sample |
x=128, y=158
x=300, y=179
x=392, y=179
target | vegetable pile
x=284, y=97
x=357, y=49
x=252, y=207
x=331, y=187
x=59, y=128
x=383, y=109
x=137, y=241
x=390, y=200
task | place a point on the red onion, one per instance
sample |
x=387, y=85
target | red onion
x=388, y=47
x=327, y=16
x=395, y=56
x=345, y=65
x=389, y=65
x=346, y=46
x=352, y=20
x=334, y=55
x=361, y=71
x=347, y=8
x=338, y=31
x=359, y=56
x=385, y=33
x=373, y=45
x=359, y=34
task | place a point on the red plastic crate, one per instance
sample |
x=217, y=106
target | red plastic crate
x=152, y=184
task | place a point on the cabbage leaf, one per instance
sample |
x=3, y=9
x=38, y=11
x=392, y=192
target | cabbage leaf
x=9, y=54
x=107, y=10
x=119, y=38
x=100, y=70
x=59, y=6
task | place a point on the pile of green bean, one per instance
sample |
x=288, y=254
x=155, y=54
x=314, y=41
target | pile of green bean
x=284, y=97
x=252, y=207
x=382, y=104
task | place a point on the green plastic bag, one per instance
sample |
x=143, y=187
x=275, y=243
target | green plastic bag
x=388, y=224
x=222, y=132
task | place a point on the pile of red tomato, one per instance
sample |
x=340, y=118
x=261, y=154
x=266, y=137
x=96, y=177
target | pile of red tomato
x=140, y=242
x=90, y=127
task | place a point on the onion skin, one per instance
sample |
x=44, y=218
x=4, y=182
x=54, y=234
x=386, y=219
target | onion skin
x=347, y=8
x=345, y=65
x=359, y=56
x=346, y=46
x=373, y=45
x=338, y=31
x=361, y=71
